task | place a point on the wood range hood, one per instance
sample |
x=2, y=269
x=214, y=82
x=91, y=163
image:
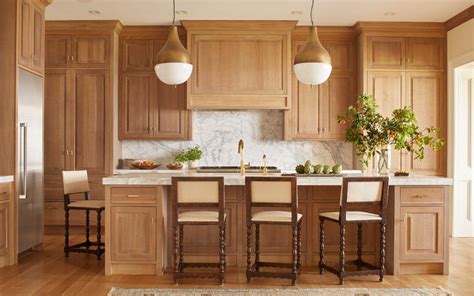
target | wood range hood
x=239, y=64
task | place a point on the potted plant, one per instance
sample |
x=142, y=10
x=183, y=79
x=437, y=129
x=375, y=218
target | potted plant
x=191, y=156
x=373, y=134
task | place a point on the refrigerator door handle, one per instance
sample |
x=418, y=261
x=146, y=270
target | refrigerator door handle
x=23, y=161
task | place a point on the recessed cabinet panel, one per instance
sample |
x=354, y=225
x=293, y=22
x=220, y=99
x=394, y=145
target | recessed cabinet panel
x=137, y=105
x=90, y=51
x=57, y=53
x=137, y=55
x=342, y=55
x=306, y=110
x=91, y=92
x=386, y=53
x=424, y=53
x=4, y=228
x=25, y=27
x=424, y=95
x=421, y=234
x=169, y=111
x=337, y=98
x=55, y=94
x=134, y=233
x=37, y=42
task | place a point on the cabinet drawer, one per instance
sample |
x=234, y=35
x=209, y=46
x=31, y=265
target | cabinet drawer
x=133, y=194
x=5, y=191
x=412, y=195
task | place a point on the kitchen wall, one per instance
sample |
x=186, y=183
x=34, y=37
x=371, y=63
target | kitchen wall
x=218, y=133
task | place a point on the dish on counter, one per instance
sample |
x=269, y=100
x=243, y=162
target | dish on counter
x=145, y=164
x=174, y=166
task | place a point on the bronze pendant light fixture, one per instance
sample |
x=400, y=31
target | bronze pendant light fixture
x=312, y=63
x=174, y=61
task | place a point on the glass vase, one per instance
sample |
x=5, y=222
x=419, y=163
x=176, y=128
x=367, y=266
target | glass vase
x=383, y=160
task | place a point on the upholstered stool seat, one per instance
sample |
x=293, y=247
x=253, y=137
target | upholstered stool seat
x=274, y=216
x=87, y=204
x=353, y=216
x=197, y=201
x=199, y=216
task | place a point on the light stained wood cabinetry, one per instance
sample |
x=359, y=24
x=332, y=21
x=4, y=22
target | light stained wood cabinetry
x=419, y=220
x=314, y=111
x=31, y=35
x=149, y=109
x=7, y=222
x=239, y=65
x=135, y=232
x=401, y=67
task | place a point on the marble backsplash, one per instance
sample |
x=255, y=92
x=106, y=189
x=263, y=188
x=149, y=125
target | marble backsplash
x=218, y=134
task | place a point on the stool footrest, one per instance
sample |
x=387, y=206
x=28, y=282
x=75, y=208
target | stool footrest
x=182, y=275
x=283, y=275
x=199, y=265
x=272, y=264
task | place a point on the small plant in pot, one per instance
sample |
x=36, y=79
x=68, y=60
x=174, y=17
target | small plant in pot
x=373, y=134
x=191, y=156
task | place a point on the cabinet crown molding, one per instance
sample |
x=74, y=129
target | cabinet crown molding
x=401, y=27
x=149, y=32
x=239, y=25
x=84, y=26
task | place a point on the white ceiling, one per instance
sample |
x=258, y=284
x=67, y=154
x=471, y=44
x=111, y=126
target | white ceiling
x=327, y=12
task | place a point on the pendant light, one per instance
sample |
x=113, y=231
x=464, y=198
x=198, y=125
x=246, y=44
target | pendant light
x=174, y=61
x=312, y=63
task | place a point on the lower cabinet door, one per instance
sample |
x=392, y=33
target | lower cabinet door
x=133, y=233
x=421, y=234
x=4, y=228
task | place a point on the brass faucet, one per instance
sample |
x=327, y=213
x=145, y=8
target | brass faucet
x=264, y=169
x=240, y=150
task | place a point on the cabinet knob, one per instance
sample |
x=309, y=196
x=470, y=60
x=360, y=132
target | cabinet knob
x=3, y=193
x=133, y=195
x=420, y=196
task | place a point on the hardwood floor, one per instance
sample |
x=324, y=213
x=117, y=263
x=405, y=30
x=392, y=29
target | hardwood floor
x=48, y=273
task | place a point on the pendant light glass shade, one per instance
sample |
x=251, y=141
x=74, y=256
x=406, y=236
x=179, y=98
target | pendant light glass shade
x=174, y=61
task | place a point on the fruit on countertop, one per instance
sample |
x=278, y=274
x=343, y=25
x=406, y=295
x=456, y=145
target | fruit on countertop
x=174, y=166
x=318, y=169
x=326, y=169
x=308, y=167
x=145, y=164
x=337, y=169
x=299, y=169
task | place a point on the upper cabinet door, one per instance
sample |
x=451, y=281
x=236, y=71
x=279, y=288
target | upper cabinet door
x=137, y=55
x=24, y=30
x=338, y=96
x=386, y=53
x=57, y=51
x=136, y=106
x=92, y=115
x=90, y=51
x=424, y=92
x=37, y=42
x=55, y=123
x=424, y=53
x=342, y=55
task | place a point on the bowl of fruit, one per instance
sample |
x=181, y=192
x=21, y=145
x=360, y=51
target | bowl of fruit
x=174, y=166
x=145, y=164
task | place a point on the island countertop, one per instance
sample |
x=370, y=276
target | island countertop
x=164, y=178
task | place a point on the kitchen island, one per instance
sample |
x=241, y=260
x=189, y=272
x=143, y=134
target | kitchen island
x=138, y=225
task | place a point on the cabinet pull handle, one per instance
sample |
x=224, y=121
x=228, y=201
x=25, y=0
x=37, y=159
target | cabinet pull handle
x=152, y=220
x=420, y=196
x=72, y=58
x=3, y=193
x=133, y=195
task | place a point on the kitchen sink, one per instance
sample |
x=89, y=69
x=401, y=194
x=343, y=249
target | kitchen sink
x=236, y=169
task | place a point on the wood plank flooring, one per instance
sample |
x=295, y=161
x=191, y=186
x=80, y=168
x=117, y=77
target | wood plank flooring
x=49, y=273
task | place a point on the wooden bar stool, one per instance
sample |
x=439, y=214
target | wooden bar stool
x=361, y=190
x=272, y=192
x=77, y=182
x=190, y=193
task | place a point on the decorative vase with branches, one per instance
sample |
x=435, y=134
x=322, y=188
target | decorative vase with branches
x=370, y=132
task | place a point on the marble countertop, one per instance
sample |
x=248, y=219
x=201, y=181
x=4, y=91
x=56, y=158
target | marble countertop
x=164, y=178
x=6, y=179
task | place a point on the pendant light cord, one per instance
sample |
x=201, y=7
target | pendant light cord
x=311, y=15
x=174, y=12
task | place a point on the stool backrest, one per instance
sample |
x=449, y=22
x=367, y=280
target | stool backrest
x=367, y=190
x=272, y=192
x=75, y=182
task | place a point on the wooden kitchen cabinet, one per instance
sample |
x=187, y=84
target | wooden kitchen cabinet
x=385, y=53
x=239, y=65
x=134, y=233
x=424, y=53
x=4, y=225
x=57, y=51
x=31, y=35
x=148, y=108
x=8, y=255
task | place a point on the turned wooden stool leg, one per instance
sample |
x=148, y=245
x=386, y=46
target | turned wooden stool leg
x=225, y=261
x=99, y=250
x=382, y=251
x=342, y=254
x=249, y=251
x=299, y=247
x=257, y=247
x=294, y=257
x=181, y=247
x=359, y=246
x=176, y=253
x=221, y=253
x=321, y=245
x=66, y=233
x=88, y=243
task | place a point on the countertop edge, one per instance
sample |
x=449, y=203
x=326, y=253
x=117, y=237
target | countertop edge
x=6, y=179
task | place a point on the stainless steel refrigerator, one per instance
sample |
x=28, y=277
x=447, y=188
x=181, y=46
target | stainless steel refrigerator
x=30, y=160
